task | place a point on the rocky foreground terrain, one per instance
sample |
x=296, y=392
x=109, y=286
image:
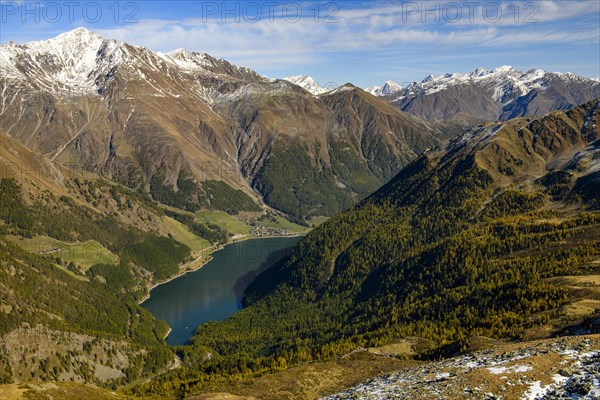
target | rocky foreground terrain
x=567, y=368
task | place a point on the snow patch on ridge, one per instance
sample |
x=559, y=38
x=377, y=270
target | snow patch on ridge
x=388, y=88
x=506, y=83
x=308, y=83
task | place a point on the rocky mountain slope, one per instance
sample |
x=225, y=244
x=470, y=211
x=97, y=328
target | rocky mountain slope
x=328, y=151
x=174, y=124
x=502, y=93
x=555, y=369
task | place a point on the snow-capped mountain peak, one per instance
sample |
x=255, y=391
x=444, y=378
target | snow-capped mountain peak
x=72, y=60
x=478, y=72
x=78, y=34
x=308, y=83
x=83, y=62
x=388, y=88
x=505, y=81
x=503, y=68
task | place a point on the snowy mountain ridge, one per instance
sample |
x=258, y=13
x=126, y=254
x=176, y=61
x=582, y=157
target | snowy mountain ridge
x=71, y=60
x=81, y=60
x=308, y=83
x=503, y=93
x=388, y=88
x=506, y=80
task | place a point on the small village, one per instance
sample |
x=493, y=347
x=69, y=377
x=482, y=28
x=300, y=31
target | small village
x=263, y=231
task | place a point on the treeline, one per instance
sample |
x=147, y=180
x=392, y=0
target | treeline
x=105, y=304
x=192, y=196
x=40, y=293
x=125, y=199
x=297, y=180
x=63, y=219
x=211, y=232
x=291, y=182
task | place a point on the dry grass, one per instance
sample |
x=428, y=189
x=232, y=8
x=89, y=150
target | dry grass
x=585, y=291
x=577, y=281
x=82, y=254
x=396, y=349
x=314, y=380
x=68, y=391
x=11, y=392
x=220, y=396
x=540, y=332
x=583, y=307
x=408, y=347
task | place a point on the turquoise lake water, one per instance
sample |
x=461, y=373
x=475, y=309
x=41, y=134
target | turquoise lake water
x=214, y=292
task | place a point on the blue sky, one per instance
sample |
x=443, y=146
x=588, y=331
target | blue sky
x=363, y=42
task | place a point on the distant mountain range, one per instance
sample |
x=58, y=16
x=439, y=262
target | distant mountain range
x=308, y=83
x=388, y=88
x=502, y=93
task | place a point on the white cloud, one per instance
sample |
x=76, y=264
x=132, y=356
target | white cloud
x=279, y=43
x=469, y=12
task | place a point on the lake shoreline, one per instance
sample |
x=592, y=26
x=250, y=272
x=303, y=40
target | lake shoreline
x=188, y=270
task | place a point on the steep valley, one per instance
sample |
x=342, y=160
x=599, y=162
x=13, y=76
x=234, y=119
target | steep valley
x=451, y=232
x=471, y=239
